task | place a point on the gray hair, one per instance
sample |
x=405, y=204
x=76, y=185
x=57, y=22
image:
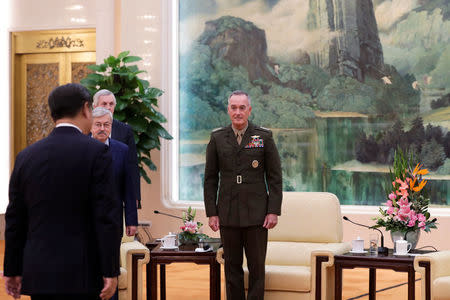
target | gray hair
x=237, y=93
x=100, y=112
x=100, y=93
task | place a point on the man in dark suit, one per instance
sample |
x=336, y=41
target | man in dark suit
x=61, y=238
x=101, y=129
x=123, y=133
x=243, y=161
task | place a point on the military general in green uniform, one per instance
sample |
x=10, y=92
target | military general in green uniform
x=243, y=193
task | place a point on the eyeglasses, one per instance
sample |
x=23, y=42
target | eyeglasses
x=100, y=125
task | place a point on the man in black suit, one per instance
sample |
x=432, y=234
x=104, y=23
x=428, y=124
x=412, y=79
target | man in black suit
x=123, y=133
x=61, y=238
x=101, y=130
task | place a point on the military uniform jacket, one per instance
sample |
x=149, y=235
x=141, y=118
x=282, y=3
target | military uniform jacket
x=243, y=183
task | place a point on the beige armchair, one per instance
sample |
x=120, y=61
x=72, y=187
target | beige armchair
x=133, y=255
x=434, y=269
x=301, y=248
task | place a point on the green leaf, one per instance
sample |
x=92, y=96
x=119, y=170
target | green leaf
x=122, y=54
x=95, y=76
x=130, y=59
x=153, y=92
x=119, y=115
x=89, y=82
x=98, y=68
x=121, y=105
x=112, y=61
x=145, y=176
x=160, y=130
x=145, y=84
x=148, y=143
x=138, y=124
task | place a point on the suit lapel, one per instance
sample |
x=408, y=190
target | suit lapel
x=246, y=138
x=231, y=138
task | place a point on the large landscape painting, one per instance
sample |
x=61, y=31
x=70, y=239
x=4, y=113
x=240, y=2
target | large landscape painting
x=341, y=83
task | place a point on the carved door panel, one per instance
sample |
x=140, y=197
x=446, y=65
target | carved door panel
x=35, y=76
x=39, y=74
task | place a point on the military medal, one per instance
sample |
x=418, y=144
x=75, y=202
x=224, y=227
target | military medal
x=256, y=142
x=255, y=164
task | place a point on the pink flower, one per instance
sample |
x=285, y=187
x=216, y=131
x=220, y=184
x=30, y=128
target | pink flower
x=390, y=210
x=421, y=218
x=422, y=225
x=392, y=196
x=403, y=202
x=190, y=226
x=411, y=223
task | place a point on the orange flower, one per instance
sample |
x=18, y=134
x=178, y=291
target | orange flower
x=420, y=187
x=412, y=183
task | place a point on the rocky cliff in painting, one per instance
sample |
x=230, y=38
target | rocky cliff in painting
x=354, y=47
x=239, y=42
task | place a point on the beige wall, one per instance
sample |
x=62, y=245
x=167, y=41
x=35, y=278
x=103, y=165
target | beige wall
x=143, y=31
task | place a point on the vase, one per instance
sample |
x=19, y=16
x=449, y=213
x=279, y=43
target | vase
x=411, y=237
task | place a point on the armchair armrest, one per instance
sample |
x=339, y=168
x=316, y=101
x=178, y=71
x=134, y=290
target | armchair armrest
x=431, y=266
x=219, y=256
x=322, y=260
x=133, y=256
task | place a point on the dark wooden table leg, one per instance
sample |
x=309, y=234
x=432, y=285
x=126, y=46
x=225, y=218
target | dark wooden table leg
x=162, y=278
x=152, y=288
x=337, y=282
x=411, y=284
x=372, y=283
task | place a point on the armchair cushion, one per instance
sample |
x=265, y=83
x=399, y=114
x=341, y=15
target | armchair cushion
x=122, y=279
x=313, y=217
x=439, y=273
x=299, y=254
x=285, y=278
x=441, y=288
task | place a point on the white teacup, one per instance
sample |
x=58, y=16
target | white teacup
x=402, y=247
x=358, y=245
x=169, y=241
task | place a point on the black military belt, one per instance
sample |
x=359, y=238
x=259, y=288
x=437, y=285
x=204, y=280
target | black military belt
x=240, y=179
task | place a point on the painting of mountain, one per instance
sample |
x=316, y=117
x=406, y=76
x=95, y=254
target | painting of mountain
x=342, y=85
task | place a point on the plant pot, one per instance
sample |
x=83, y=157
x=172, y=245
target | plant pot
x=411, y=237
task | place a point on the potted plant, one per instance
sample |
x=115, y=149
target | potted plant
x=190, y=230
x=137, y=103
x=406, y=212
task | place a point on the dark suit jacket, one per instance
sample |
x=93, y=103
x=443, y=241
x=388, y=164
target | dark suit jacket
x=257, y=163
x=123, y=181
x=61, y=234
x=123, y=133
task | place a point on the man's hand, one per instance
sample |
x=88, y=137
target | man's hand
x=131, y=230
x=13, y=285
x=213, y=223
x=109, y=288
x=270, y=221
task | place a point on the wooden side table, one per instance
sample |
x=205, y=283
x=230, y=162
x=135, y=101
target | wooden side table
x=187, y=253
x=374, y=262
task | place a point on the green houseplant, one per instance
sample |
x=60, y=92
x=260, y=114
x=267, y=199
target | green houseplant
x=136, y=103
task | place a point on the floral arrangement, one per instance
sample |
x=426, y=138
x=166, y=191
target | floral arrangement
x=190, y=228
x=407, y=204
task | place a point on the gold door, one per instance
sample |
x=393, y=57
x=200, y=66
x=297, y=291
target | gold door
x=36, y=74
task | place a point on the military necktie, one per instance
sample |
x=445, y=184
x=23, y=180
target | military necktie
x=239, y=138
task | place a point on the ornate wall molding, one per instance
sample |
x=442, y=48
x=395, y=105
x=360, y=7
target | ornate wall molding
x=63, y=42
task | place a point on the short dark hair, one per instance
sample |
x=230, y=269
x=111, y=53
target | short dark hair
x=239, y=93
x=67, y=100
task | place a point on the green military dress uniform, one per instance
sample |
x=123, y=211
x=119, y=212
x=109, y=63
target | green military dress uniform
x=243, y=183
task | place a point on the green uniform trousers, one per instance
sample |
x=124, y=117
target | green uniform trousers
x=253, y=240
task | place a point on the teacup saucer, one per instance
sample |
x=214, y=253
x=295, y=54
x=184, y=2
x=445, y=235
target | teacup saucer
x=401, y=254
x=169, y=248
x=357, y=252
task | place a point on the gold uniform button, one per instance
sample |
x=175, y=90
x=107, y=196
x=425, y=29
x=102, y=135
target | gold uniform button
x=255, y=164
